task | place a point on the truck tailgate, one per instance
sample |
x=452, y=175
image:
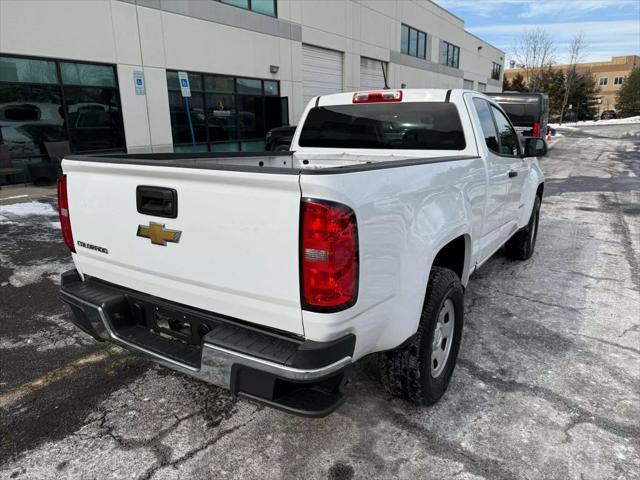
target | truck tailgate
x=237, y=253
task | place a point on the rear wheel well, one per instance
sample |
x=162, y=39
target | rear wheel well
x=540, y=190
x=452, y=256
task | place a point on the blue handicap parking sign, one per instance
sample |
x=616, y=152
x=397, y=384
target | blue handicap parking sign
x=184, y=82
x=139, y=81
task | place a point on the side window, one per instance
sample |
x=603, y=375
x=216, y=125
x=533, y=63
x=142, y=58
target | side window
x=487, y=125
x=509, y=144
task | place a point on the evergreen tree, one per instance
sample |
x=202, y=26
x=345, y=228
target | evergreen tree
x=552, y=82
x=506, y=86
x=584, y=97
x=628, y=99
x=518, y=84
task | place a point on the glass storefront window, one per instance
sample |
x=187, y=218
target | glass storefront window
x=179, y=123
x=27, y=70
x=94, y=118
x=221, y=117
x=271, y=88
x=231, y=110
x=215, y=83
x=250, y=117
x=31, y=106
x=86, y=74
x=250, y=86
x=29, y=116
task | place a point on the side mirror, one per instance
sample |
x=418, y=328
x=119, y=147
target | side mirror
x=535, y=147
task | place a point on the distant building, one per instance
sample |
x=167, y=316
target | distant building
x=610, y=76
x=104, y=74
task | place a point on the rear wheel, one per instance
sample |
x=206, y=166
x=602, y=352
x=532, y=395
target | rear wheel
x=522, y=244
x=420, y=371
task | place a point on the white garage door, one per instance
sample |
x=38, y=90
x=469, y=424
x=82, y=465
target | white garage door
x=371, y=76
x=321, y=72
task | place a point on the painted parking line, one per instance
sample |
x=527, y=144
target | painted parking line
x=48, y=378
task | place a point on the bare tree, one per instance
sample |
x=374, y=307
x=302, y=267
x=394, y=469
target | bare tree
x=576, y=52
x=534, y=51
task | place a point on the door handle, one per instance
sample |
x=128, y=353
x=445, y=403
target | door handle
x=157, y=201
x=513, y=173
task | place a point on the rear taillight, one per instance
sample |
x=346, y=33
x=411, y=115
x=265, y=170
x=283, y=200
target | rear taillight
x=536, y=129
x=63, y=211
x=375, y=97
x=329, y=256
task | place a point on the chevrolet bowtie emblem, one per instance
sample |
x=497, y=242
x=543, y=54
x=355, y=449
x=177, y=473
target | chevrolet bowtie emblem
x=158, y=234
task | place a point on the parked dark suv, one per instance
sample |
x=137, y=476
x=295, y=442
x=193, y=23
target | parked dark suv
x=529, y=112
x=608, y=115
x=279, y=139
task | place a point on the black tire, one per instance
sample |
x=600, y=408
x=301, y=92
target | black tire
x=523, y=243
x=407, y=371
x=282, y=148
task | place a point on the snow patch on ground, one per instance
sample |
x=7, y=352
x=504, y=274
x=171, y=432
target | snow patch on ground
x=5, y=221
x=585, y=123
x=26, y=209
x=59, y=333
x=28, y=274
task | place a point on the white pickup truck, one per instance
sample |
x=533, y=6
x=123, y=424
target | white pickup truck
x=271, y=274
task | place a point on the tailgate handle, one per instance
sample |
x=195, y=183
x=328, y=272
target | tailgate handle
x=157, y=201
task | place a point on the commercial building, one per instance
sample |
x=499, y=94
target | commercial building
x=103, y=74
x=610, y=76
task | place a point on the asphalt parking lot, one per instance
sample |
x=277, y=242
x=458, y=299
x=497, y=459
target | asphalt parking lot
x=547, y=383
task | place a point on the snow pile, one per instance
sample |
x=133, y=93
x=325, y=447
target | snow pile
x=586, y=123
x=27, y=209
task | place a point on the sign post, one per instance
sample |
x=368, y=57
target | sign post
x=185, y=89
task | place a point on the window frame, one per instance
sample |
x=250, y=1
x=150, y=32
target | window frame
x=618, y=80
x=404, y=27
x=496, y=66
x=601, y=83
x=60, y=86
x=449, y=49
x=209, y=143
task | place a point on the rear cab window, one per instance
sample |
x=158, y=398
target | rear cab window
x=395, y=126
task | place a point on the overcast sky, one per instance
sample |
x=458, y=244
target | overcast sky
x=610, y=27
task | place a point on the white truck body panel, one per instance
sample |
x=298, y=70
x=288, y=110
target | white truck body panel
x=239, y=254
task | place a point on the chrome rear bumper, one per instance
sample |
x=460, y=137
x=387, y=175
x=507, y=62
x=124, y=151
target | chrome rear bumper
x=99, y=308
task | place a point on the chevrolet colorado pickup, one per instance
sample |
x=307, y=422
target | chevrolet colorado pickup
x=271, y=274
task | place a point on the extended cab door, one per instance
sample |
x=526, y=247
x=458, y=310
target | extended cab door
x=517, y=167
x=498, y=178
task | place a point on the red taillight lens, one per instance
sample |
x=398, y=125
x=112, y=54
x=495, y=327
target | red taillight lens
x=63, y=212
x=329, y=256
x=536, y=129
x=375, y=97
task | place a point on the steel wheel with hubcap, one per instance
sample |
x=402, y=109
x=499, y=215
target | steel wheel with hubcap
x=442, y=338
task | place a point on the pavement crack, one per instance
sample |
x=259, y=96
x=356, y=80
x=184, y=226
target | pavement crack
x=446, y=449
x=634, y=328
x=193, y=452
x=612, y=344
x=630, y=432
x=541, y=302
x=621, y=227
